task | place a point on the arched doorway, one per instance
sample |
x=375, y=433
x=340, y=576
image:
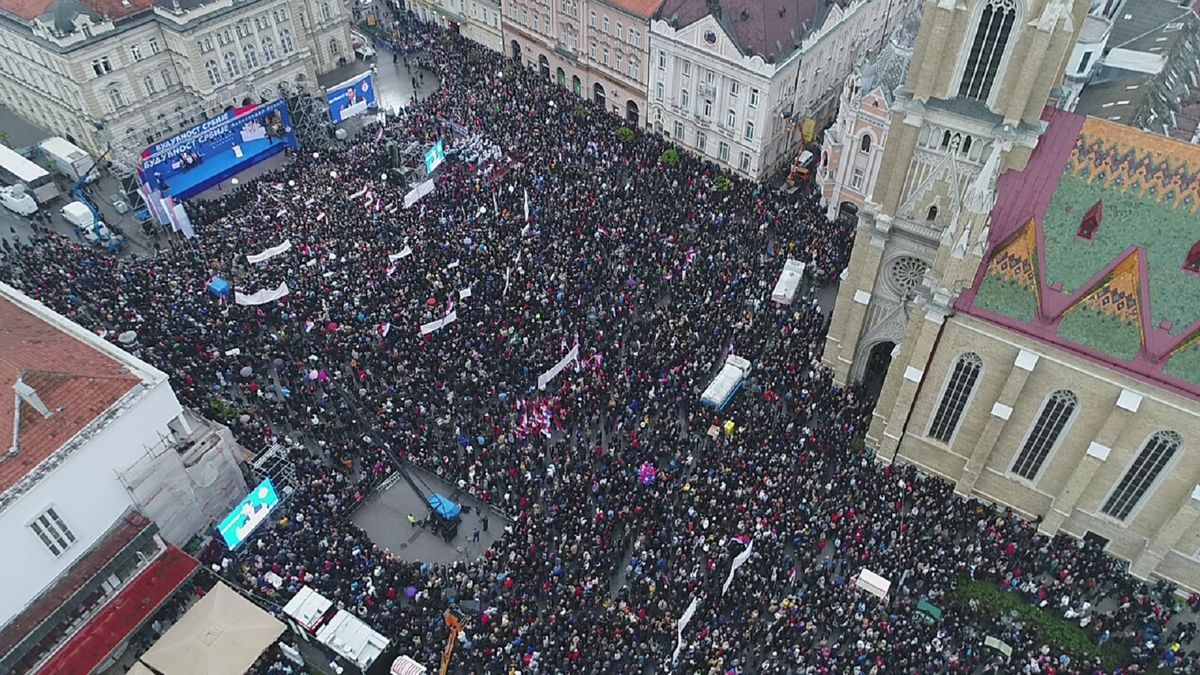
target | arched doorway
x=848, y=212
x=562, y=78
x=598, y=94
x=516, y=50
x=631, y=113
x=878, y=361
x=544, y=66
x=576, y=85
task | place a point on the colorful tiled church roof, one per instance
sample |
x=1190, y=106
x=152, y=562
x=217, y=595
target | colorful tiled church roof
x=1092, y=247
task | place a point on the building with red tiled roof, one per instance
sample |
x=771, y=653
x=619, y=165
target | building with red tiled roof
x=93, y=439
x=747, y=83
x=1023, y=296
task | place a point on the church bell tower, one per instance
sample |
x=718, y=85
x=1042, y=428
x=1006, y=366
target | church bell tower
x=981, y=74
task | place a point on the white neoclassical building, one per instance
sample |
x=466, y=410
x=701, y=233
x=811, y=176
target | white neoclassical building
x=133, y=72
x=735, y=80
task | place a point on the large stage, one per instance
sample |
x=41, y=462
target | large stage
x=217, y=167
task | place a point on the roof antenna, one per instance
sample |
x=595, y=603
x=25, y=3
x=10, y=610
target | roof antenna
x=29, y=395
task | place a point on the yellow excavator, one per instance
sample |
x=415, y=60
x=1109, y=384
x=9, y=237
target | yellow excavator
x=457, y=624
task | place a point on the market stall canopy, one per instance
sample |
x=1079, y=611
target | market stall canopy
x=873, y=583
x=444, y=506
x=222, y=634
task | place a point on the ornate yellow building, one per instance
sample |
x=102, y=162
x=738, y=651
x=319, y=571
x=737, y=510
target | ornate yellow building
x=1024, y=292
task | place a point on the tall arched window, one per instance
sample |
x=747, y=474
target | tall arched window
x=168, y=78
x=865, y=144
x=148, y=82
x=213, y=72
x=251, y=56
x=1046, y=432
x=987, y=49
x=285, y=41
x=335, y=48
x=268, y=46
x=116, y=99
x=931, y=214
x=231, y=65
x=1154, y=457
x=956, y=396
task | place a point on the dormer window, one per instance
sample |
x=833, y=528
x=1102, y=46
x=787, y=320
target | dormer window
x=1091, y=221
x=1192, y=262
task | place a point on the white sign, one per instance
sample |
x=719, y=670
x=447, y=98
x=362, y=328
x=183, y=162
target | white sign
x=262, y=297
x=737, y=562
x=414, y=195
x=270, y=252
x=545, y=377
x=683, y=622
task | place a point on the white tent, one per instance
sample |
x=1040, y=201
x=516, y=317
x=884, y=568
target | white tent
x=873, y=583
x=307, y=607
x=349, y=637
x=222, y=634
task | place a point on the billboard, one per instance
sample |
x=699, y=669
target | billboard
x=351, y=97
x=189, y=163
x=434, y=157
x=248, y=514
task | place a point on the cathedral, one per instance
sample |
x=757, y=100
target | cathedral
x=1023, y=296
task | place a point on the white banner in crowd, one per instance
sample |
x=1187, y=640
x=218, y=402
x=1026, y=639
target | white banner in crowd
x=526, y=206
x=262, y=297
x=545, y=377
x=683, y=622
x=414, y=195
x=270, y=252
x=737, y=562
x=427, y=328
x=402, y=254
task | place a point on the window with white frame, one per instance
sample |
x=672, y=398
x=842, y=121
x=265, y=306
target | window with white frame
x=592, y=51
x=708, y=107
x=620, y=62
x=1150, y=462
x=168, y=78
x=687, y=68
x=634, y=71
x=701, y=142
x=659, y=92
x=606, y=24
x=154, y=48
x=326, y=11
x=734, y=88
x=116, y=100
x=136, y=52
x=1046, y=431
x=679, y=130
x=604, y=56
x=251, y=56
x=856, y=179
x=101, y=66
x=268, y=48
x=285, y=41
x=635, y=38
x=148, y=82
x=744, y=163
x=710, y=77
x=723, y=151
x=213, y=72
x=662, y=59
x=684, y=98
x=335, y=48
x=592, y=19
x=231, y=65
x=753, y=98
x=53, y=532
x=572, y=43
x=749, y=131
x=958, y=392
x=731, y=119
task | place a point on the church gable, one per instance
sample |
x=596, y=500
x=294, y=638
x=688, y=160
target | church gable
x=1109, y=318
x=1010, y=286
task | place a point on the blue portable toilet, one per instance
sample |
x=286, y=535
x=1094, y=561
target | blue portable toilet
x=220, y=287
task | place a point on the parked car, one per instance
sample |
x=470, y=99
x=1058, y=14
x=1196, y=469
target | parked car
x=363, y=45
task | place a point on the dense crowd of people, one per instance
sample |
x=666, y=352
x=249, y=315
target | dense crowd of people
x=657, y=272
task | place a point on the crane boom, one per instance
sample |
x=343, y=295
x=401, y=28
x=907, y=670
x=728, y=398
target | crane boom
x=456, y=623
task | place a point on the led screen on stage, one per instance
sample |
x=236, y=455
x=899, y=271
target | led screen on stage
x=249, y=514
x=351, y=97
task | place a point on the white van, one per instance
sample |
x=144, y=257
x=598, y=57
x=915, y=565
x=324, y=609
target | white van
x=18, y=201
x=78, y=214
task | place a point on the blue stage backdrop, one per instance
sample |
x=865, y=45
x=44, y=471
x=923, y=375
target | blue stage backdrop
x=185, y=165
x=351, y=97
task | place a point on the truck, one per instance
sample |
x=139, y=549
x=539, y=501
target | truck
x=94, y=231
x=67, y=158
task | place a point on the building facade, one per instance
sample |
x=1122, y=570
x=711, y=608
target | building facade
x=1016, y=292
x=132, y=73
x=476, y=20
x=105, y=475
x=852, y=147
x=734, y=81
x=599, y=49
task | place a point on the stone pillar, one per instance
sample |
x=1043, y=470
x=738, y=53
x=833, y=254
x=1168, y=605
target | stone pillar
x=850, y=311
x=1064, y=503
x=904, y=378
x=1002, y=409
x=1167, y=536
